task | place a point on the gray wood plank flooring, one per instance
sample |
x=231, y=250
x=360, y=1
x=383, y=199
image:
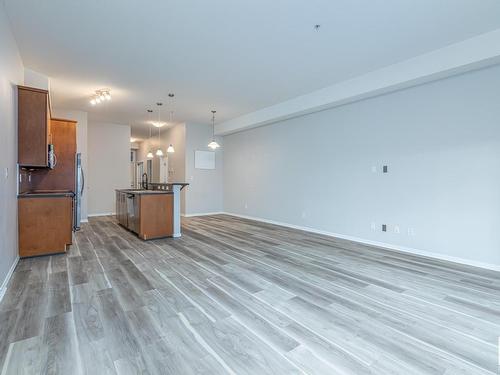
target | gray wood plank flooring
x=235, y=296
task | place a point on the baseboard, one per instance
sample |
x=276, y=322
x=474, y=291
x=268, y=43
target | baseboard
x=102, y=214
x=84, y=220
x=202, y=214
x=3, y=288
x=402, y=249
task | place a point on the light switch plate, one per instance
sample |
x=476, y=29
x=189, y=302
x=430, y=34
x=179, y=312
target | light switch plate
x=6, y=172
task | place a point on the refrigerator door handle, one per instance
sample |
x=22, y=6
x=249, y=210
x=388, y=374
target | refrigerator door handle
x=83, y=183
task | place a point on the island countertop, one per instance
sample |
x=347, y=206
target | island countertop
x=144, y=191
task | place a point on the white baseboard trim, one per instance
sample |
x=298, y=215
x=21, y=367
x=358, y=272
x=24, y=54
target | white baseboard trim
x=3, y=288
x=101, y=214
x=84, y=220
x=402, y=249
x=202, y=214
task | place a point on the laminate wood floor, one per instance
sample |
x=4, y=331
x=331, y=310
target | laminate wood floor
x=242, y=297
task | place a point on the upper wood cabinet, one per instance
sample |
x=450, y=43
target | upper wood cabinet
x=33, y=127
x=62, y=177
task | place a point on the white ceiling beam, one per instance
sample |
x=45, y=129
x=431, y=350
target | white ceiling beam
x=470, y=54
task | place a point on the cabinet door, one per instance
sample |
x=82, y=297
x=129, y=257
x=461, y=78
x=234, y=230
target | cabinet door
x=62, y=177
x=45, y=225
x=33, y=127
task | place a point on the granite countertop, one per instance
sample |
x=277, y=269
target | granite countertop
x=144, y=191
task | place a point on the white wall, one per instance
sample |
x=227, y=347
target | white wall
x=11, y=74
x=441, y=142
x=108, y=165
x=205, y=192
x=81, y=143
x=37, y=80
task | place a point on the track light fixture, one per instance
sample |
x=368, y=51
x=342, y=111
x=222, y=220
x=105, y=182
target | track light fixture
x=100, y=96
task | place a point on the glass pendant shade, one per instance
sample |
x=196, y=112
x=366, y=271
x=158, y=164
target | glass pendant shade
x=159, y=152
x=150, y=155
x=170, y=149
x=213, y=145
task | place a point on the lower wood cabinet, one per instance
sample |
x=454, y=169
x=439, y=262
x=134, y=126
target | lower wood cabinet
x=150, y=215
x=45, y=225
x=155, y=217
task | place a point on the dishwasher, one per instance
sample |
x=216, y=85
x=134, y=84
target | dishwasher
x=131, y=220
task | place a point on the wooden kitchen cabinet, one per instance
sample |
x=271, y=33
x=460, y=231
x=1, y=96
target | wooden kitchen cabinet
x=155, y=218
x=149, y=215
x=62, y=177
x=45, y=224
x=33, y=127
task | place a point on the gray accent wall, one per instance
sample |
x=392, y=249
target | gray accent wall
x=11, y=75
x=440, y=142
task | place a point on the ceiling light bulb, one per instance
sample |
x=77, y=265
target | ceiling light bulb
x=170, y=149
x=213, y=145
x=92, y=101
x=150, y=155
x=107, y=96
x=159, y=152
x=97, y=100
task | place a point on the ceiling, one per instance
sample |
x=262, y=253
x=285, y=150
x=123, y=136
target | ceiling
x=232, y=56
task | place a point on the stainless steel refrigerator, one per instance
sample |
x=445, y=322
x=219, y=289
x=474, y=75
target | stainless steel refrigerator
x=79, y=187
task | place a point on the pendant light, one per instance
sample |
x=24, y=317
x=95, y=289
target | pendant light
x=213, y=145
x=170, y=148
x=159, y=152
x=150, y=154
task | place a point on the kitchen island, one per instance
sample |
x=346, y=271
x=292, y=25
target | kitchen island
x=151, y=213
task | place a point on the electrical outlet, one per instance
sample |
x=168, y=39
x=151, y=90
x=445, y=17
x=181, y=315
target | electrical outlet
x=246, y=205
x=384, y=227
x=374, y=169
x=411, y=232
x=374, y=226
x=6, y=172
x=396, y=229
x=303, y=215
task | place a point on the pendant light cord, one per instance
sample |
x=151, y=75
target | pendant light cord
x=213, y=124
